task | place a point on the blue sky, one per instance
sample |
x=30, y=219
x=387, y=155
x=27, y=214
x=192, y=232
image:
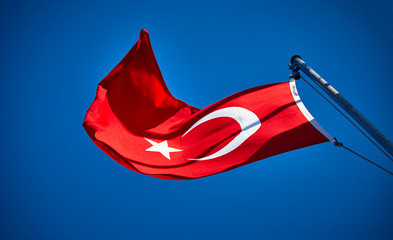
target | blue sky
x=56, y=184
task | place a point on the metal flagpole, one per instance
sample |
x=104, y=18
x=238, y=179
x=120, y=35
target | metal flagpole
x=296, y=61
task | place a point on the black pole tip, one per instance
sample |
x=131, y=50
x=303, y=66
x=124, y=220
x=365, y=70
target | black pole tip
x=293, y=58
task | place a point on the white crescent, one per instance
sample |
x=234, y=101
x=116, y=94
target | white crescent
x=248, y=121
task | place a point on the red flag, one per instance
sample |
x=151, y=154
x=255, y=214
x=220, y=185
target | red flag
x=135, y=120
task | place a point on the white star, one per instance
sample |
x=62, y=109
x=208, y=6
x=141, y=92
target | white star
x=161, y=147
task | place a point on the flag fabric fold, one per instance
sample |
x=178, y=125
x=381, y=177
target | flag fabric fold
x=136, y=120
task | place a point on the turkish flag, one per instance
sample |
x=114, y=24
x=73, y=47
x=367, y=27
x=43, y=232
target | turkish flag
x=135, y=120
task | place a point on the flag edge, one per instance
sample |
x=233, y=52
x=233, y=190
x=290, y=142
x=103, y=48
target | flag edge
x=305, y=112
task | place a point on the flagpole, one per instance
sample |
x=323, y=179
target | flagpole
x=296, y=61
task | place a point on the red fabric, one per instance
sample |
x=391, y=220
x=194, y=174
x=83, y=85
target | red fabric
x=133, y=108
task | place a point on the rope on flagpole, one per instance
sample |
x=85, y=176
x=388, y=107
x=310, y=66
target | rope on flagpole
x=296, y=75
x=338, y=144
x=367, y=126
x=360, y=130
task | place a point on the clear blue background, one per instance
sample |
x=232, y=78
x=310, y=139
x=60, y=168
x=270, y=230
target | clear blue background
x=56, y=184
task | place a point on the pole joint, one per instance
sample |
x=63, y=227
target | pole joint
x=295, y=72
